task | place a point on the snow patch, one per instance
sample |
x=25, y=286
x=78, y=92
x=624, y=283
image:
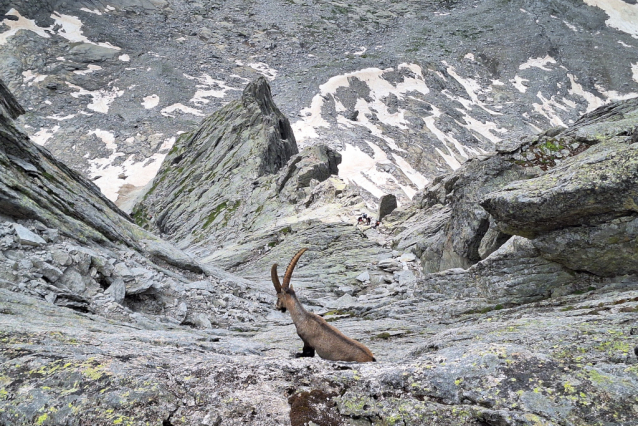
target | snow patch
x=124, y=58
x=43, y=135
x=445, y=138
x=359, y=168
x=150, y=101
x=486, y=130
x=102, y=98
x=169, y=110
x=21, y=24
x=361, y=52
x=594, y=101
x=67, y=26
x=380, y=88
x=546, y=109
x=94, y=11
x=91, y=68
x=262, y=68
x=72, y=30
x=472, y=88
x=208, y=87
x=31, y=77
x=634, y=71
x=518, y=83
x=168, y=143
x=537, y=63
x=108, y=177
x=570, y=26
x=417, y=178
x=622, y=15
x=105, y=136
x=60, y=118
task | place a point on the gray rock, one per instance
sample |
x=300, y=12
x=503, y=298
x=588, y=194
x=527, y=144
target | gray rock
x=387, y=204
x=589, y=188
x=199, y=320
x=51, y=235
x=121, y=270
x=363, y=277
x=407, y=278
x=61, y=257
x=72, y=280
x=171, y=255
x=117, y=290
x=9, y=106
x=344, y=302
x=27, y=237
x=514, y=274
x=200, y=285
x=492, y=240
x=181, y=312
x=607, y=250
x=89, y=53
x=49, y=271
x=407, y=257
x=138, y=286
x=389, y=265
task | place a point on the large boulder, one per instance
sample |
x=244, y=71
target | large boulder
x=514, y=274
x=591, y=188
x=387, y=204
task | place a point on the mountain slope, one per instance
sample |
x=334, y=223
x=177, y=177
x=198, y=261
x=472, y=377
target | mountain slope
x=404, y=90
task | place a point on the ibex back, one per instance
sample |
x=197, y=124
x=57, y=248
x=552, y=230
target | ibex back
x=316, y=333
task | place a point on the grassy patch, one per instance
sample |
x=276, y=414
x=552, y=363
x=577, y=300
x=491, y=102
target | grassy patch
x=213, y=215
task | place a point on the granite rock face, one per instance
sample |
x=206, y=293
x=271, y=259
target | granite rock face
x=205, y=175
x=557, y=188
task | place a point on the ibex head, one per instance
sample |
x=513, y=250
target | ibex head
x=285, y=289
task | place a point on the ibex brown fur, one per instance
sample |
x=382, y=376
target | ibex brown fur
x=316, y=333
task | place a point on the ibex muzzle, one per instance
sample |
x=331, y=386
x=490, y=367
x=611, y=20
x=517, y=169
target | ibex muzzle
x=316, y=333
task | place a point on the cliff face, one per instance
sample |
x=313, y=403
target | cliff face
x=211, y=171
x=537, y=329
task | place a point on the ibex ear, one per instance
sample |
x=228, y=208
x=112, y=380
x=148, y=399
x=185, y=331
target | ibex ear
x=275, y=278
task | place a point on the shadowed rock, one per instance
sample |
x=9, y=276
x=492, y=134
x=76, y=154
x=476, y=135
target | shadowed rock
x=387, y=204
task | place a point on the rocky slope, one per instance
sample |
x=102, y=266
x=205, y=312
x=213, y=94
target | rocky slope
x=404, y=90
x=237, y=193
x=471, y=326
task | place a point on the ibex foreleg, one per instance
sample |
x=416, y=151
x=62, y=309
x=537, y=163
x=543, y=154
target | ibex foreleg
x=307, y=351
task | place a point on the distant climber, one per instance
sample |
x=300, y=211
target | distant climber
x=368, y=220
x=376, y=224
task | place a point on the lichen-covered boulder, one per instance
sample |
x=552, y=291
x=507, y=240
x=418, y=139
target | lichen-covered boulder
x=593, y=187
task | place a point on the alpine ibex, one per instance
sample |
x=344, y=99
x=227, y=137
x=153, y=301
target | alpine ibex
x=316, y=333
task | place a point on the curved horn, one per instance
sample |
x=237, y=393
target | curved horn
x=275, y=278
x=291, y=267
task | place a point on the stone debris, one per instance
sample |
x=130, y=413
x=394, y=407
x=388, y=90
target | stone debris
x=26, y=237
